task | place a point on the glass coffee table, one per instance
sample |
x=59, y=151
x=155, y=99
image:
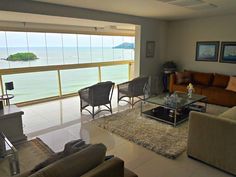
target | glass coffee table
x=174, y=109
x=8, y=151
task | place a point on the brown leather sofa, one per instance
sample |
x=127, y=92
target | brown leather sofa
x=88, y=162
x=208, y=84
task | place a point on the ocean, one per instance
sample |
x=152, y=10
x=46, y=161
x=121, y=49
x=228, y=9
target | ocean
x=31, y=86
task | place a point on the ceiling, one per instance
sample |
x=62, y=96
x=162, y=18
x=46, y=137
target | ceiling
x=160, y=9
x=45, y=19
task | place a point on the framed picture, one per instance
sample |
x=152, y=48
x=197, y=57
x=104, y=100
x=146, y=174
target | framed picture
x=207, y=51
x=228, y=52
x=150, y=48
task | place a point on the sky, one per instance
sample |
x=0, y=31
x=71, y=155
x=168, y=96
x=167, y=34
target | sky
x=19, y=39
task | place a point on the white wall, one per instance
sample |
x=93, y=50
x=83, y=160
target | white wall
x=182, y=37
x=151, y=29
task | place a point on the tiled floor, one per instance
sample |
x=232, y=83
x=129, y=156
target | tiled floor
x=58, y=122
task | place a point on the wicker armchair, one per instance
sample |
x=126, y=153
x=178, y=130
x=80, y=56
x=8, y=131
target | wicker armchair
x=97, y=95
x=131, y=89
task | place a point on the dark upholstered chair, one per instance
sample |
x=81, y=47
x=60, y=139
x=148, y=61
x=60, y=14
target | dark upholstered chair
x=131, y=89
x=97, y=95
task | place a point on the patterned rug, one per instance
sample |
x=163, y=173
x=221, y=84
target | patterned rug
x=159, y=137
x=30, y=154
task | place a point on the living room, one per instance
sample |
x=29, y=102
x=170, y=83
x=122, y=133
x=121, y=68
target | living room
x=175, y=32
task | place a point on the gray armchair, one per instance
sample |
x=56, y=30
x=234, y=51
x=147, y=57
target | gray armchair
x=97, y=95
x=131, y=89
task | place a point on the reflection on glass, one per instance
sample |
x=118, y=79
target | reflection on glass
x=17, y=43
x=84, y=47
x=117, y=74
x=31, y=86
x=107, y=48
x=117, y=47
x=96, y=46
x=81, y=78
x=129, y=50
x=37, y=45
x=3, y=51
x=54, y=48
x=70, y=48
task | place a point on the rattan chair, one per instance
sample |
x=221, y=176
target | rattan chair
x=99, y=94
x=131, y=89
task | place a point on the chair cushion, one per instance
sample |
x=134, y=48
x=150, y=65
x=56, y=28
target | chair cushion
x=229, y=114
x=183, y=77
x=220, y=80
x=232, y=84
x=76, y=164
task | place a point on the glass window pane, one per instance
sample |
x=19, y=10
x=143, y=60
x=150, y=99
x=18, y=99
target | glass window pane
x=129, y=50
x=54, y=48
x=107, y=48
x=3, y=51
x=117, y=74
x=70, y=48
x=17, y=43
x=37, y=45
x=81, y=78
x=118, y=48
x=31, y=86
x=96, y=47
x=84, y=47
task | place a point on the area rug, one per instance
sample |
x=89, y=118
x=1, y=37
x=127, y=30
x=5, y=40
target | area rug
x=30, y=154
x=159, y=137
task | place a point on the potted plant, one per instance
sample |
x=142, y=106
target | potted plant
x=169, y=67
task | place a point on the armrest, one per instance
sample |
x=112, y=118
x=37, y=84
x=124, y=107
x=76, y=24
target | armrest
x=123, y=85
x=212, y=140
x=172, y=82
x=113, y=167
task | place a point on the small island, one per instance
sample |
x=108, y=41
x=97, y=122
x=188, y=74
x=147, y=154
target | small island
x=125, y=45
x=23, y=56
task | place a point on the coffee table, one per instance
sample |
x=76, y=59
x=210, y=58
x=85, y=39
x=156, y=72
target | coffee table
x=8, y=151
x=174, y=111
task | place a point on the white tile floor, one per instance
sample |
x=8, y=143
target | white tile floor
x=58, y=122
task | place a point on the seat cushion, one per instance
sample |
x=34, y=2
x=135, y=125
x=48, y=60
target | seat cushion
x=220, y=96
x=183, y=88
x=129, y=173
x=220, y=80
x=76, y=164
x=229, y=114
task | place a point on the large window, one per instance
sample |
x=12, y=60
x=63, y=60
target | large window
x=60, y=49
x=30, y=49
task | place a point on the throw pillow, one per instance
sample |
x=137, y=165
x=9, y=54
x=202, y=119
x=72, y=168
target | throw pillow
x=232, y=84
x=183, y=77
x=69, y=148
x=220, y=80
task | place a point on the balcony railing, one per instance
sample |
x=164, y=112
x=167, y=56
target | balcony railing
x=58, y=81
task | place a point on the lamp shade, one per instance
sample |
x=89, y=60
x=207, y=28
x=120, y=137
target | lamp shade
x=9, y=86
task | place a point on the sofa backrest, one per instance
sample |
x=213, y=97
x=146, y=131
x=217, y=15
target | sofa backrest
x=76, y=164
x=201, y=78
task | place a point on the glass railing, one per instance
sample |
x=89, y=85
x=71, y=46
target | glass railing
x=41, y=82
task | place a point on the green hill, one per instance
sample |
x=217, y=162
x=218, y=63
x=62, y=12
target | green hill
x=125, y=45
x=24, y=56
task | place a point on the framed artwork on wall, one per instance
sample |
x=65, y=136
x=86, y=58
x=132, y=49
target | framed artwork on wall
x=150, y=49
x=228, y=52
x=207, y=51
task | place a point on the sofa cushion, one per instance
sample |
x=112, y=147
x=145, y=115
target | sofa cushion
x=220, y=80
x=183, y=88
x=202, y=78
x=232, y=84
x=220, y=96
x=183, y=77
x=75, y=164
x=229, y=114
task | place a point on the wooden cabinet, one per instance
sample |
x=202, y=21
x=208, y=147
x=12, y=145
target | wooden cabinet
x=11, y=123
